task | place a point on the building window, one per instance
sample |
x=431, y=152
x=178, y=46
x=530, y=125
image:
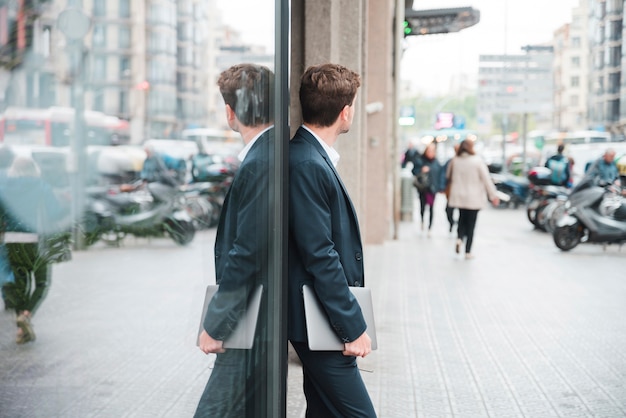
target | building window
x=99, y=8
x=123, y=102
x=124, y=8
x=573, y=100
x=124, y=37
x=98, y=100
x=99, y=35
x=576, y=42
x=125, y=68
x=576, y=62
x=99, y=68
x=574, y=81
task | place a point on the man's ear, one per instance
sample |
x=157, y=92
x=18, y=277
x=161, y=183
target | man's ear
x=230, y=113
x=345, y=113
x=231, y=118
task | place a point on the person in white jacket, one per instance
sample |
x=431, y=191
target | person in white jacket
x=470, y=189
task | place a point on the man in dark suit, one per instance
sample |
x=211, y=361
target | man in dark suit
x=236, y=387
x=325, y=249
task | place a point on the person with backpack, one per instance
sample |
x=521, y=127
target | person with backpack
x=559, y=165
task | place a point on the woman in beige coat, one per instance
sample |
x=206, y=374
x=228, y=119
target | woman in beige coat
x=471, y=187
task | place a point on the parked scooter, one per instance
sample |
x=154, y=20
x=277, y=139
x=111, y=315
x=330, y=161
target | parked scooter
x=153, y=210
x=545, y=199
x=592, y=214
x=514, y=187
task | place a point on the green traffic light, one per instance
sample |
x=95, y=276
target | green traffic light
x=407, y=28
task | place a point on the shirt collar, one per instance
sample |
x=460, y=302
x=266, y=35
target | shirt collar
x=246, y=149
x=330, y=151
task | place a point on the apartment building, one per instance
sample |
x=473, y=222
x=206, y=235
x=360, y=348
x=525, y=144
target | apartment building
x=605, y=31
x=571, y=72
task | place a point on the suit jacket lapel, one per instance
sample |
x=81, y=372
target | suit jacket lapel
x=306, y=135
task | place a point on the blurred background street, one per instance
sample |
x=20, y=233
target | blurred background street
x=522, y=330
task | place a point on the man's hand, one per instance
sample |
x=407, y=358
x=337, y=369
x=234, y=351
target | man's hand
x=360, y=347
x=208, y=345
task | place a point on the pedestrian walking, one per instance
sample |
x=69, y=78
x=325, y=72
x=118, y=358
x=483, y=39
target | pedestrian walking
x=471, y=186
x=325, y=248
x=446, y=187
x=427, y=171
x=409, y=155
x=237, y=385
x=34, y=237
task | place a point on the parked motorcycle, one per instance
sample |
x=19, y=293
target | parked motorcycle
x=514, y=187
x=592, y=214
x=545, y=199
x=153, y=210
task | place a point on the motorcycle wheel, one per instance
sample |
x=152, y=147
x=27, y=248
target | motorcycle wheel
x=531, y=212
x=567, y=237
x=544, y=215
x=201, y=212
x=557, y=213
x=182, y=232
x=215, y=215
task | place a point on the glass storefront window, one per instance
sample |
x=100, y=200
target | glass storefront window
x=115, y=90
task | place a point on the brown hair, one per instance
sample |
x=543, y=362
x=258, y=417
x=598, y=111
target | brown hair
x=325, y=90
x=466, y=146
x=246, y=89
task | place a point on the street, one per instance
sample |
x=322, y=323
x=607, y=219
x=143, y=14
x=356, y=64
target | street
x=522, y=330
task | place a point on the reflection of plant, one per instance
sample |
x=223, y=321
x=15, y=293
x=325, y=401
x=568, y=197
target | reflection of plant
x=56, y=248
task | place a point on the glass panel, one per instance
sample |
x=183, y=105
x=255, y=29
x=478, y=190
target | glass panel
x=117, y=162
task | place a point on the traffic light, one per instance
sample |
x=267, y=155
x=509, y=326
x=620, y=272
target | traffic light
x=407, y=28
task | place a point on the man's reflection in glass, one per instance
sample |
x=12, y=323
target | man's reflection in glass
x=236, y=387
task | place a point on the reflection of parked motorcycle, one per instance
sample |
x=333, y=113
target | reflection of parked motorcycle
x=153, y=211
x=205, y=201
x=592, y=214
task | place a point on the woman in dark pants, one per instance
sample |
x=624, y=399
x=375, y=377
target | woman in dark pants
x=30, y=215
x=470, y=187
x=430, y=168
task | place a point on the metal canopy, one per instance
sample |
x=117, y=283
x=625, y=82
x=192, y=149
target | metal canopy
x=428, y=22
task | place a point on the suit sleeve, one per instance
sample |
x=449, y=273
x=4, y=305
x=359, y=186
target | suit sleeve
x=315, y=219
x=246, y=259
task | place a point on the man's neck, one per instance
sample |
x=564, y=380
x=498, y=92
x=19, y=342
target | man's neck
x=250, y=132
x=328, y=134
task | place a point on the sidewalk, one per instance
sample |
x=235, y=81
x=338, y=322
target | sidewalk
x=523, y=330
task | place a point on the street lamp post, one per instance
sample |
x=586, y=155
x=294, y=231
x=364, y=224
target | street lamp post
x=74, y=24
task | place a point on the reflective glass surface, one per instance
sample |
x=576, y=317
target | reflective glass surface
x=129, y=181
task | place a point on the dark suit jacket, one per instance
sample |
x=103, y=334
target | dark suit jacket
x=241, y=245
x=325, y=247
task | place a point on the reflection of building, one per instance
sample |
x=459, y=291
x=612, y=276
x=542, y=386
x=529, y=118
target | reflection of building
x=145, y=61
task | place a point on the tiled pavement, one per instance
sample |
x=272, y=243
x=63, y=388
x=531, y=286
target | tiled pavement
x=523, y=330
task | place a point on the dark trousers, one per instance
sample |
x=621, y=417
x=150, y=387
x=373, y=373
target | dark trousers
x=450, y=216
x=423, y=203
x=333, y=385
x=467, y=224
x=236, y=387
